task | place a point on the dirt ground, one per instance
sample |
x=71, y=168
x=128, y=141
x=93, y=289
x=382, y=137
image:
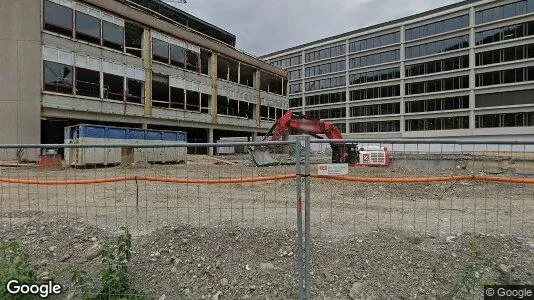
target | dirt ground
x=370, y=241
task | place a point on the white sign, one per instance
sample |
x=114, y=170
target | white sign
x=333, y=169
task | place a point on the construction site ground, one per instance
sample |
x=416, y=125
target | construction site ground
x=237, y=241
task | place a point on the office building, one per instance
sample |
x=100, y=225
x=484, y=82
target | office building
x=461, y=71
x=130, y=63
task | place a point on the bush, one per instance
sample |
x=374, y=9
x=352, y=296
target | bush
x=14, y=264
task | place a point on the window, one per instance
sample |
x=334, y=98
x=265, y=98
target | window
x=135, y=91
x=87, y=82
x=374, y=42
x=160, y=90
x=375, y=109
x=376, y=126
x=287, y=62
x=178, y=56
x=113, y=87
x=504, y=33
x=295, y=88
x=57, y=77
x=294, y=75
x=373, y=76
x=160, y=50
x=295, y=102
x=322, y=69
x=505, y=76
x=133, y=38
x=504, y=11
x=222, y=105
x=437, y=27
x=376, y=92
x=445, y=84
x=205, y=103
x=325, y=98
x=205, y=58
x=504, y=55
x=438, y=47
x=518, y=119
x=331, y=113
x=177, y=98
x=192, y=61
x=450, y=103
x=192, y=101
x=57, y=18
x=87, y=28
x=112, y=36
x=445, y=123
x=325, y=53
x=374, y=59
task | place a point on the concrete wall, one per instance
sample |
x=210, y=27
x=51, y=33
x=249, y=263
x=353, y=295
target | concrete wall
x=20, y=75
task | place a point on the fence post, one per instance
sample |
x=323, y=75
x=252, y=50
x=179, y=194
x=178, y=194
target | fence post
x=300, y=261
x=307, y=208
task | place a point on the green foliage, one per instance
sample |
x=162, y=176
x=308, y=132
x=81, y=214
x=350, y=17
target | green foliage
x=115, y=280
x=14, y=264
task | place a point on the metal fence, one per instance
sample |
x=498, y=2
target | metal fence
x=218, y=226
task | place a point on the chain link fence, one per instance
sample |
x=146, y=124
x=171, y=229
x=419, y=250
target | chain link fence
x=220, y=227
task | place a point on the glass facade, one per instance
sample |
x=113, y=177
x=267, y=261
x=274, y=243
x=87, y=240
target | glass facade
x=329, y=113
x=519, y=119
x=446, y=45
x=504, y=33
x=372, y=76
x=325, y=53
x=521, y=97
x=375, y=109
x=437, y=85
x=325, y=83
x=444, y=123
x=374, y=42
x=325, y=98
x=288, y=62
x=449, y=103
x=504, y=11
x=327, y=68
x=437, y=27
x=505, y=76
x=436, y=66
x=375, y=92
x=505, y=55
x=375, y=126
x=374, y=59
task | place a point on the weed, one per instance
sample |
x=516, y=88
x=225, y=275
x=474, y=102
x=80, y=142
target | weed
x=14, y=264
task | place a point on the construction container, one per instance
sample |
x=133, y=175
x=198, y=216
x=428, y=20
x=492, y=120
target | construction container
x=88, y=134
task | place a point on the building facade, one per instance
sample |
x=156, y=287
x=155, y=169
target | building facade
x=464, y=70
x=131, y=63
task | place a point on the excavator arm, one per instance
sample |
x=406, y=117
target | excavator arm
x=295, y=122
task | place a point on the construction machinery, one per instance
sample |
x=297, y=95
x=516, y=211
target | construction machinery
x=341, y=152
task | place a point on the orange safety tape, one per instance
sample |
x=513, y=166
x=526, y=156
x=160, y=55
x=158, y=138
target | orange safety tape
x=426, y=179
x=269, y=178
x=150, y=179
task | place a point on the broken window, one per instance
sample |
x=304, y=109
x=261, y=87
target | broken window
x=233, y=107
x=87, y=83
x=192, y=61
x=205, y=58
x=205, y=100
x=264, y=112
x=57, y=77
x=113, y=87
x=160, y=90
x=160, y=51
x=272, y=113
x=233, y=71
x=247, y=75
x=193, y=101
x=133, y=38
x=57, y=18
x=87, y=28
x=222, y=105
x=112, y=36
x=177, y=98
x=178, y=56
x=222, y=68
x=135, y=91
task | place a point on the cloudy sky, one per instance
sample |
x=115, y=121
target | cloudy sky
x=265, y=26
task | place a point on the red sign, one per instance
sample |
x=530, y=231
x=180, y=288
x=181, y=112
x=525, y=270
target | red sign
x=366, y=158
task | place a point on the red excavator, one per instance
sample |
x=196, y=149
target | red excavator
x=341, y=152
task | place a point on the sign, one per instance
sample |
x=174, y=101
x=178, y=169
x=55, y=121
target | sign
x=366, y=157
x=333, y=169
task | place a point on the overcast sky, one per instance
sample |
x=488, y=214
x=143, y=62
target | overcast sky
x=265, y=26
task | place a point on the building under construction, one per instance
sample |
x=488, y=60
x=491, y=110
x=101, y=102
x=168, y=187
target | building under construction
x=129, y=63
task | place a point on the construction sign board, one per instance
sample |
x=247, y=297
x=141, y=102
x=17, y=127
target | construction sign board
x=333, y=169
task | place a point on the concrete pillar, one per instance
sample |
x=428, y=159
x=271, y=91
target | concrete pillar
x=402, y=85
x=210, y=140
x=347, y=92
x=254, y=136
x=258, y=106
x=238, y=72
x=147, y=64
x=472, y=63
x=213, y=64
